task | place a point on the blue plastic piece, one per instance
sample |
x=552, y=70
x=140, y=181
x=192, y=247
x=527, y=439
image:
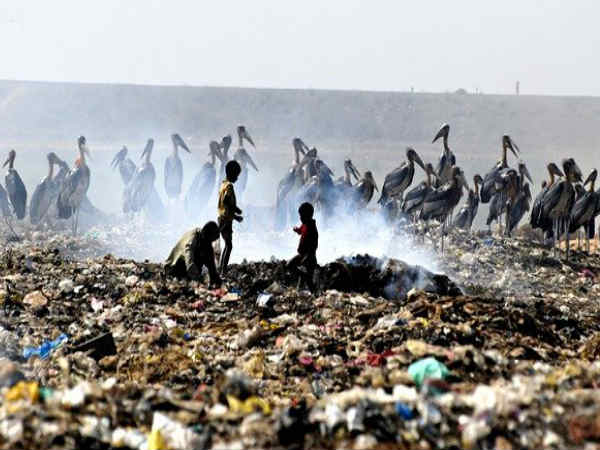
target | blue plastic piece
x=404, y=411
x=43, y=351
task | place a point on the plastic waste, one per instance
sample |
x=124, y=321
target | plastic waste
x=248, y=406
x=43, y=351
x=427, y=368
x=404, y=411
x=23, y=390
x=264, y=300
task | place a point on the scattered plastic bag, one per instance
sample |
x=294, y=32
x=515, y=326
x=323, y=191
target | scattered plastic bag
x=427, y=368
x=44, y=350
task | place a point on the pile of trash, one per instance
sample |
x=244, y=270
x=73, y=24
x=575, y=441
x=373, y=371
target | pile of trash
x=102, y=352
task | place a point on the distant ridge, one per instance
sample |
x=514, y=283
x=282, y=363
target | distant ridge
x=39, y=112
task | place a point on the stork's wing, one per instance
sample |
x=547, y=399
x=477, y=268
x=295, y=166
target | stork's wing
x=395, y=180
x=488, y=186
x=552, y=197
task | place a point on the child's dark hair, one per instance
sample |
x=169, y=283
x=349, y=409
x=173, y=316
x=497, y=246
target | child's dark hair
x=210, y=229
x=306, y=210
x=232, y=167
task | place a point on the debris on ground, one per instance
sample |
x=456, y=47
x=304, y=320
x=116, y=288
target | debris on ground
x=501, y=352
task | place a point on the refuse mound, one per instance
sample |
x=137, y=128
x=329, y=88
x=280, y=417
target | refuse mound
x=388, y=278
x=110, y=353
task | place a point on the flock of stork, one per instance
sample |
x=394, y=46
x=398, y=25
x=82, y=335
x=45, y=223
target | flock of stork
x=562, y=207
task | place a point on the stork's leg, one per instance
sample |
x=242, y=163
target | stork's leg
x=76, y=222
x=443, y=227
x=15, y=235
x=587, y=242
x=554, y=232
x=568, y=237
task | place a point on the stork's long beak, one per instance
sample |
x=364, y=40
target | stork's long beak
x=119, y=157
x=251, y=162
x=148, y=148
x=513, y=147
x=556, y=171
x=418, y=160
x=307, y=157
x=577, y=170
x=354, y=171
x=374, y=183
x=591, y=177
x=6, y=162
x=443, y=132
x=527, y=174
x=178, y=141
x=246, y=136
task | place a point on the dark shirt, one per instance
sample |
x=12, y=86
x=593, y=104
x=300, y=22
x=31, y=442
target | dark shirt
x=309, y=238
x=190, y=254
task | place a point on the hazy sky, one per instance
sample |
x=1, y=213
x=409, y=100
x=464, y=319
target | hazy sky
x=551, y=46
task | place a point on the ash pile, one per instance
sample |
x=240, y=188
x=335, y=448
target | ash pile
x=105, y=352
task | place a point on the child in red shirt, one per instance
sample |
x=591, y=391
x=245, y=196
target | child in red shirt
x=307, y=248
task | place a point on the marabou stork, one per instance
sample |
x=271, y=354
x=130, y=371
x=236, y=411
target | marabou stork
x=140, y=188
x=447, y=159
x=488, y=188
x=203, y=184
x=17, y=193
x=174, y=169
x=536, y=219
x=466, y=215
x=242, y=157
x=413, y=200
x=518, y=196
x=126, y=166
x=364, y=190
x=559, y=200
x=399, y=179
x=290, y=183
x=44, y=192
x=440, y=202
x=586, y=209
x=74, y=187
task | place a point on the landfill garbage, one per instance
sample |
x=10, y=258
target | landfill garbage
x=165, y=363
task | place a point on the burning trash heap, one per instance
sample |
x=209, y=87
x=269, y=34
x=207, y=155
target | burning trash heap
x=101, y=352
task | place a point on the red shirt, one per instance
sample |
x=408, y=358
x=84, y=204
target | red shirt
x=309, y=237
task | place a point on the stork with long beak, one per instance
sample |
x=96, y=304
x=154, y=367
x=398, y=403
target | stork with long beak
x=586, y=209
x=290, y=184
x=441, y=201
x=364, y=190
x=140, y=188
x=558, y=203
x=397, y=181
x=488, y=189
x=75, y=187
x=43, y=193
x=466, y=214
x=537, y=220
x=203, y=184
x=125, y=165
x=15, y=187
x=413, y=200
x=242, y=157
x=447, y=159
x=174, y=168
